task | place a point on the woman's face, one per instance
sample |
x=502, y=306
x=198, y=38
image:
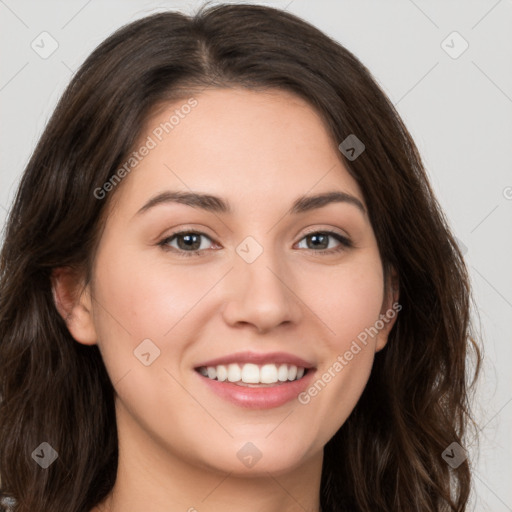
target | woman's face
x=257, y=294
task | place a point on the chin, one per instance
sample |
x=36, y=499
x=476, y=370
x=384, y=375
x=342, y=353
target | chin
x=257, y=457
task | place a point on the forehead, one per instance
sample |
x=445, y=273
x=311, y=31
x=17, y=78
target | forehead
x=252, y=146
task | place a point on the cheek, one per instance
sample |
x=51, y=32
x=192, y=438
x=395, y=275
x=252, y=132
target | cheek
x=347, y=298
x=141, y=297
x=349, y=303
x=145, y=298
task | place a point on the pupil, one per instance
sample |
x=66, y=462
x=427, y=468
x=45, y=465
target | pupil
x=316, y=237
x=188, y=238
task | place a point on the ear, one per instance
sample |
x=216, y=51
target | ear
x=74, y=303
x=389, y=310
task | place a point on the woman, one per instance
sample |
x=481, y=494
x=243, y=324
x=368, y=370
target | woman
x=226, y=284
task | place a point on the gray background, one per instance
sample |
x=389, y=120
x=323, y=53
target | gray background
x=457, y=109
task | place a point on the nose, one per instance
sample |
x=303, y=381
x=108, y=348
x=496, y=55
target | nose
x=261, y=294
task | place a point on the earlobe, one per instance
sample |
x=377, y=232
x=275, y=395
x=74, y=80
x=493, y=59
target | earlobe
x=74, y=303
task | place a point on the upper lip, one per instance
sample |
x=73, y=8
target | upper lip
x=258, y=358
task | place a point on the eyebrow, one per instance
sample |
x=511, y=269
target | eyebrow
x=216, y=204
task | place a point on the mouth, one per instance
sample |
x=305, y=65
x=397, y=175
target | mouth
x=256, y=381
x=253, y=375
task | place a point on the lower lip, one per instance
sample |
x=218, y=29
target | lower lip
x=259, y=398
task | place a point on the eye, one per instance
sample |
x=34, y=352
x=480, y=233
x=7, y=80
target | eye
x=189, y=243
x=320, y=242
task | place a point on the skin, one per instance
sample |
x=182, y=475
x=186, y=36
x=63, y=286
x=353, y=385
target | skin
x=178, y=441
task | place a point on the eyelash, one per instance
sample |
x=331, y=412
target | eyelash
x=345, y=243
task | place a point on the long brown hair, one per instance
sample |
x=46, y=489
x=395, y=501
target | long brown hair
x=388, y=454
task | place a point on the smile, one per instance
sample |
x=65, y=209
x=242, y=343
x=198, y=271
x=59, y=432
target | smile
x=248, y=387
x=250, y=374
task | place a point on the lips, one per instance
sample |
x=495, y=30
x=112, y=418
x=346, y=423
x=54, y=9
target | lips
x=268, y=388
x=259, y=359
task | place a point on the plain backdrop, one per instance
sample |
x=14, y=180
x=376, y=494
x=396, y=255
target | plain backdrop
x=456, y=101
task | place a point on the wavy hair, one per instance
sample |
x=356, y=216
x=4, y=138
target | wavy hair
x=387, y=456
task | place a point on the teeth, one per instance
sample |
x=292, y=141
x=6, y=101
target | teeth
x=234, y=373
x=252, y=373
x=269, y=373
x=282, y=373
x=222, y=373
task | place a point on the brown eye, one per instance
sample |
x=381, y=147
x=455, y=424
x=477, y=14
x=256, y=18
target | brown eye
x=188, y=243
x=319, y=241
